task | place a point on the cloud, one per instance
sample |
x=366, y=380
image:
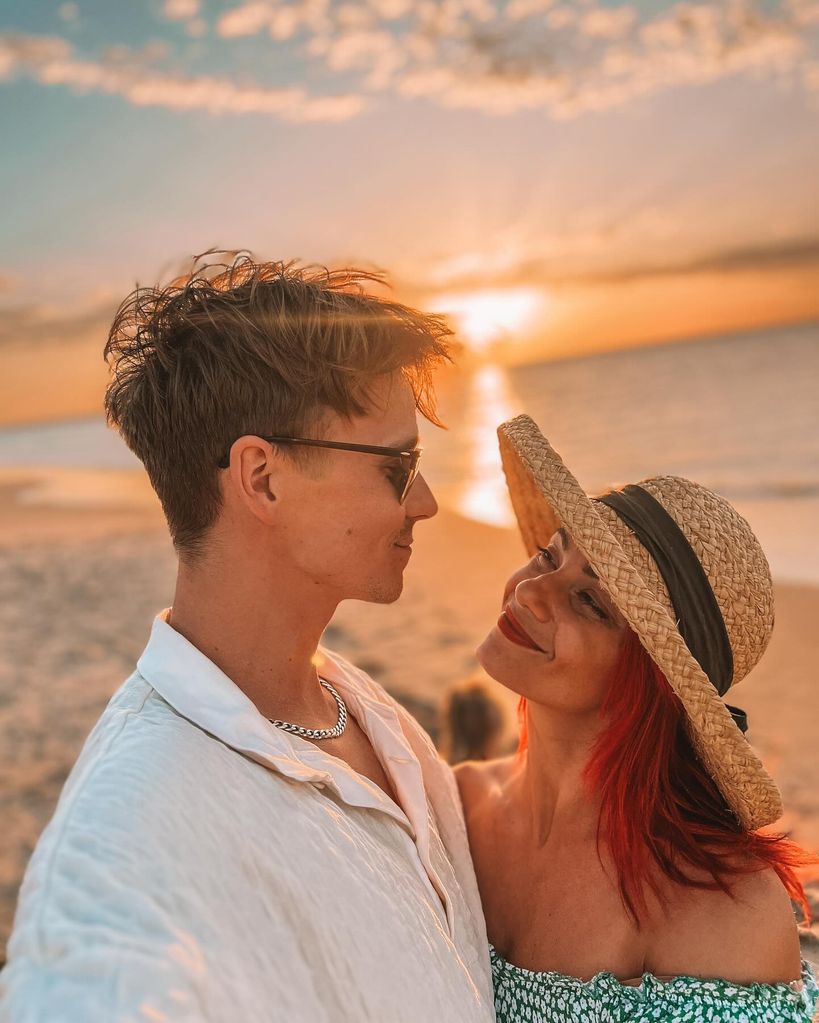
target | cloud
x=796, y=252
x=538, y=54
x=804, y=12
x=68, y=11
x=517, y=9
x=753, y=258
x=181, y=10
x=245, y=20
x=390, y=10
x=607, y=22
x=550, y=262
x=280, y=20
x=697, y=42
x=188, y=12
x=375, y=54
x=133, y=75
x=486, y=55
x=575, y=59
x=35, y=323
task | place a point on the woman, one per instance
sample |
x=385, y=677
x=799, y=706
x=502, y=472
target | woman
x=620, y=866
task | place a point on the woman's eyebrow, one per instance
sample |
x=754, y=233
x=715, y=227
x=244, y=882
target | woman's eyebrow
x=566, y=541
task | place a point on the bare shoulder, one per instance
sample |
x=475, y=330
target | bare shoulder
x=479, y=779
x=747, y=936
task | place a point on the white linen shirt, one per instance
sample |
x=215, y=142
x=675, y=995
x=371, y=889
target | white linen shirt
x=205, y=865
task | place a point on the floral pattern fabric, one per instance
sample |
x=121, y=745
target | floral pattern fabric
x=526, y=996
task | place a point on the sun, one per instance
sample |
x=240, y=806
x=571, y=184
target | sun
x=490, y=314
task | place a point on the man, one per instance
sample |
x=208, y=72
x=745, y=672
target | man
x=254, y=829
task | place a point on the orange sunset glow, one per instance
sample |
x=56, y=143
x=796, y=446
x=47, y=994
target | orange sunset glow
x=494, y=314
x=559, y=179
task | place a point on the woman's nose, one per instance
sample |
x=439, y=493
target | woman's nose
x=535, y=593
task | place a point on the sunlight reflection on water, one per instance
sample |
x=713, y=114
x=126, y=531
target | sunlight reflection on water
x=482, y=493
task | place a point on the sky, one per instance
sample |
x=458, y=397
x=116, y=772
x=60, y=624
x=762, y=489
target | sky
x=559, y=176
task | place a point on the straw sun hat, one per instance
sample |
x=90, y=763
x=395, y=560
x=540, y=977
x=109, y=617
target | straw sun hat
x=713, y=586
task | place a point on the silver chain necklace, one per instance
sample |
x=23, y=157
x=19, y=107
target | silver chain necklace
x=319, y=733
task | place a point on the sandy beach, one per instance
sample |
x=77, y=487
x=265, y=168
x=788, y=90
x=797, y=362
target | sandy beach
x=85, y=563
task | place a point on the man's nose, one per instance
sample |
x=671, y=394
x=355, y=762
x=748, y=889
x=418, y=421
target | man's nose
x=420, y=502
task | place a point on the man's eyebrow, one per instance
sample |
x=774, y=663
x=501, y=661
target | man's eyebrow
x=405, y=445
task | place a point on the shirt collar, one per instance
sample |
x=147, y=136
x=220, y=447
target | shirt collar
x=200, y=692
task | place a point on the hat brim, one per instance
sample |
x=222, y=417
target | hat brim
x=545, y=496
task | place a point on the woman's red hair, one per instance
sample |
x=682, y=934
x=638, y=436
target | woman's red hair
x=660, y=809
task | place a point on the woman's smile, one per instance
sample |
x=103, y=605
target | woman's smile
x=515, y=633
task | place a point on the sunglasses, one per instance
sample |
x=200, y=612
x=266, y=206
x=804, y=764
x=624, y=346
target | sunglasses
x=403, y=479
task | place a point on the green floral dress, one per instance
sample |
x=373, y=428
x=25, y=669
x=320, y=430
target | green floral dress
x=524, y=996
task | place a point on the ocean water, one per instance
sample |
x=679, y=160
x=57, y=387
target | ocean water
x=738, y=413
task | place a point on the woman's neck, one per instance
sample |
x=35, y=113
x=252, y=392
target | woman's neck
x=551, y=780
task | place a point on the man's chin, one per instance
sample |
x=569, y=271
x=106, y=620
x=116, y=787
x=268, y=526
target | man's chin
x=383, y=589
x=385, y=593
x=388, y=597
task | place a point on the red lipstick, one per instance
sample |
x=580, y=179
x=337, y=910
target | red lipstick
x=515, y=633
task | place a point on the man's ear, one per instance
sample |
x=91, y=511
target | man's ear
x=255, y=476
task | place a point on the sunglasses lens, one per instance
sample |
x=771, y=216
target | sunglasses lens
x=405, y=489
x=411, y=472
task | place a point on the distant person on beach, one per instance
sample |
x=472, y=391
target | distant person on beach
x=622, y=872
x=254, y=830
x=473, y=722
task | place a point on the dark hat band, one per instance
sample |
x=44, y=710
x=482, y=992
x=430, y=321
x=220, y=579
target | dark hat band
x=699, y=618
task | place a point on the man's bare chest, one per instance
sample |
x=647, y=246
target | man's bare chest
x=356, y=750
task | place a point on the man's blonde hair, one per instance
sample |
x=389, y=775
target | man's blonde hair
x=242, y=347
